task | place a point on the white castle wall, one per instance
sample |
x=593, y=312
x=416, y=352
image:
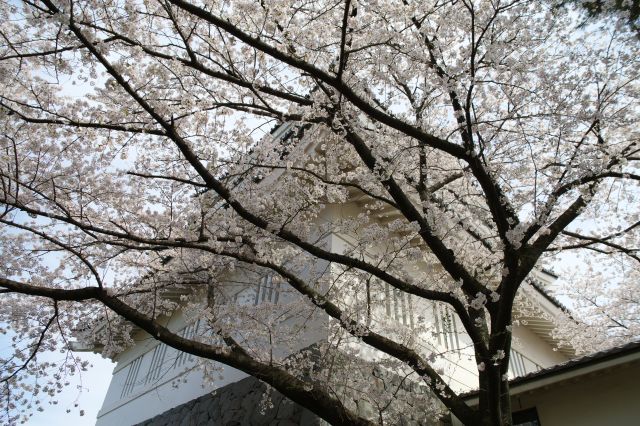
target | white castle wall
x=154, y=389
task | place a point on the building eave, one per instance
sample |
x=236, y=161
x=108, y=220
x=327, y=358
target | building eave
x=575, y=369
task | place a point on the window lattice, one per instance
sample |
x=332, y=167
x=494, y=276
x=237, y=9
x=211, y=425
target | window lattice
x=519, y=365
x=132, y=376
x=189, y=332
x=268, y=290
x=157, y=360
x=446, y=327
x=398, y=305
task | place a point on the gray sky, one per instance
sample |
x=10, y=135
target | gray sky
x=86, y=390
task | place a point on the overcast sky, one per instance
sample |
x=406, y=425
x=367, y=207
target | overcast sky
x=87, y=392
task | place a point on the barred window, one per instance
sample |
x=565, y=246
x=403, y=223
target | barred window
x=519, y=365
x=189, y=332
x=516, y=364
x=268, y=290
x=157, y=360
x=398, y=305
x=132, y=376
x=446, y=327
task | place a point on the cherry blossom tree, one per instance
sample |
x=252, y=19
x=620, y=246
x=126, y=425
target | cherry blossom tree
x=600, y=316
x=480, y=138
x=629, y=9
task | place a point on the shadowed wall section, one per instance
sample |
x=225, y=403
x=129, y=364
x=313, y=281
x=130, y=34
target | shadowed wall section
x=238, y=404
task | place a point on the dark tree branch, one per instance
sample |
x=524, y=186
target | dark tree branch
x=341, y=87
x=316, y=398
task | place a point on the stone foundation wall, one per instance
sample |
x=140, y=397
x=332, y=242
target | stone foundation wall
x=237, y=404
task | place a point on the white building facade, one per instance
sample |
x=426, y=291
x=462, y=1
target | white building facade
x=151, y=378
